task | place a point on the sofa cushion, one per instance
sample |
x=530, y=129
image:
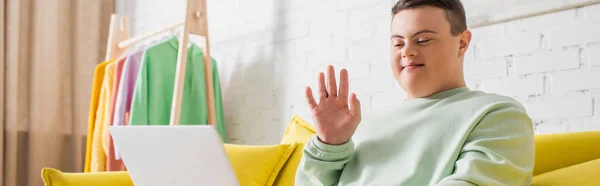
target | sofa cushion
x=555, y=151
x=258, y=165
x=54, y=177
x=583, y=174
x=253, y=165
x=299, y=131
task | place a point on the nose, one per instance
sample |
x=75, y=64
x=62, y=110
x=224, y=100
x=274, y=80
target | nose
x=409, y=51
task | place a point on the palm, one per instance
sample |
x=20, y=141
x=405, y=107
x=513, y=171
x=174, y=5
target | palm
x=334, y=118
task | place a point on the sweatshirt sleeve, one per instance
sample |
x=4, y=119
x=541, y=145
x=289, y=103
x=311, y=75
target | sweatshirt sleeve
x=498, y=151
x=322, y=164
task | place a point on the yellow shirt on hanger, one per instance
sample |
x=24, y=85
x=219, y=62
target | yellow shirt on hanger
x=99, y=144
x=99, y=72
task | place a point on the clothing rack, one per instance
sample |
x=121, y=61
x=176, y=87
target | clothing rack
x=196, y=22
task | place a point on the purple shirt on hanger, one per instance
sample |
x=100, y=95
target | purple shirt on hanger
x=125, y=93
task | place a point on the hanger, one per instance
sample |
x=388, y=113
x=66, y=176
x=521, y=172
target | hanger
x=196, y=22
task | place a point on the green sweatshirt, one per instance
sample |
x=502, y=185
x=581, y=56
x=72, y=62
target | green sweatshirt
x=153, y=92
x=455, y=137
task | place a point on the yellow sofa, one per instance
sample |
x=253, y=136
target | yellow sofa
x=561, y=159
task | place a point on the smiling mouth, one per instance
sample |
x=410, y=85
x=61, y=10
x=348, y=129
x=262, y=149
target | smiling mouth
x=412, y=66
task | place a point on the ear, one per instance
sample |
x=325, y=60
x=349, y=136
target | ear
x=465, y=40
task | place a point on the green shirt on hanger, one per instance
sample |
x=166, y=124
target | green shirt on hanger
x=153, y=92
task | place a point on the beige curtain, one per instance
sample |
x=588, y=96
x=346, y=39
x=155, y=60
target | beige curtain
x=49, y=51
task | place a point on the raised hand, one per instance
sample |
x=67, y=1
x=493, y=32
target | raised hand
x=337, y=114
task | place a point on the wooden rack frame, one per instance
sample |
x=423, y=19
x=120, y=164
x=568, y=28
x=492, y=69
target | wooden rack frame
x=196, y=22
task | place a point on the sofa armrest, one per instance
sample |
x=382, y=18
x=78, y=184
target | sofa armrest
x=555, y=151
x=54, y=177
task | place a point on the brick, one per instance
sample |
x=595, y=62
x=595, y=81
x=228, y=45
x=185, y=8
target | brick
x=487, y=31
x=592, y=12
x=297, y=97
x=296, y=4
x=258, y=72
x=377, y=11
x=221, y=6
x=264, y=8
x=286, y=52
x=470, y=54
x=312, y=11
x=472, y=83
x=328, y=23
x=289, y=32
x=261, y=100
x=352, y=4
x=314, y=42
x=258, y=78
x=597, y=106
x=376, y=48
x=596, y=96
x=368, y=86
x=345, y=37
x=582, y=79
x=583, y=124
x=382, y=26
x=542, y=21
x=288, y=71
x=594, y=55
x=336, y=52
x=554, y=60
x=552, y=107
x=510, y=44
x=482, y=70
x=273, y=119
x=383, y=69
x=382, y=72
x=356, y=69
x=550, y=127
x=514, y=86
x=260, y=85
x=571, y=34
x=257, y=38
x=300, y=78
x=234, y=102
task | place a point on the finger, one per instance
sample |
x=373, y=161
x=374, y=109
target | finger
x=354, y=106
x=311, y=100
x=331, y=85
x=344, y=86
x=322, y=90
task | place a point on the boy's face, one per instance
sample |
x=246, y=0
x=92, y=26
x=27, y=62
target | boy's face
x=425, y=57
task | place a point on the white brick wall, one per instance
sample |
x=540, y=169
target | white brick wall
x=515, y=86
x=269, y=50
x=553, y=69
x=575, y=33
x=576, y=80
x=594, y=55
x=547, y=61
x=507, y=44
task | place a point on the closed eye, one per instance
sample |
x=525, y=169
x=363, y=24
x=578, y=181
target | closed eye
x=423, y=41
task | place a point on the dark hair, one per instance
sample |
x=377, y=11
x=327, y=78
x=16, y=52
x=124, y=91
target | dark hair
x=455, y=12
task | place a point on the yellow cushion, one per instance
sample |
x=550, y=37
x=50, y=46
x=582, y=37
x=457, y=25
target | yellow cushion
x=253, y=165
x=583, y=174
x=258, y=165
x=555, y=151
x=298, y=131
x=53, y=177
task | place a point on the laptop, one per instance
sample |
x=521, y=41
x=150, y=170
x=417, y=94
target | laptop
x=183, y=155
